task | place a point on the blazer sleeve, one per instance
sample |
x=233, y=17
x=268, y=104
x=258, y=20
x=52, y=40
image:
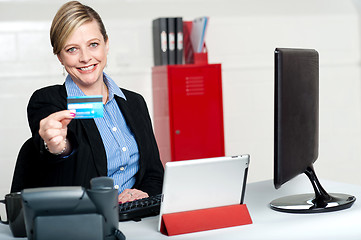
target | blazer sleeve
x=88, y=159
x=42, y=103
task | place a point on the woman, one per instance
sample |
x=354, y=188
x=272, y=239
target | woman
x=121, y=144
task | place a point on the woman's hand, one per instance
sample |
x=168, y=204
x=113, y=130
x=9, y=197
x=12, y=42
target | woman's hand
x=129, y=195
x=53, y=130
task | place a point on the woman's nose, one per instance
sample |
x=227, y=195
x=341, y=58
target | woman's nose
x=85, y=56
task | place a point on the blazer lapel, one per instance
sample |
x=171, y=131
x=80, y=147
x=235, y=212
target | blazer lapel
x=95, y=140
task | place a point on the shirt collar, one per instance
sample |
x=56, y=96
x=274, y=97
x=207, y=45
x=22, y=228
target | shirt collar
x=73, y=90
x=113, y=88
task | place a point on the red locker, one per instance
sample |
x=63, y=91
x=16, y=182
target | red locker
x=188, y=111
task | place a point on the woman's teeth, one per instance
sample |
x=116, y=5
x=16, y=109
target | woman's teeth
x=87, y=68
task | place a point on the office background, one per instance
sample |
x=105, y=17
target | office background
x=242, y=35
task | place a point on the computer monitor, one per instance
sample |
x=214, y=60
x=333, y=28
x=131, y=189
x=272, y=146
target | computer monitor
x=296, y=134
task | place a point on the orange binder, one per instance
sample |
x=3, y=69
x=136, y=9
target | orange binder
x=205, y=219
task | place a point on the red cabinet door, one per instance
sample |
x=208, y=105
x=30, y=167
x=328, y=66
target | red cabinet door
x=196, y=111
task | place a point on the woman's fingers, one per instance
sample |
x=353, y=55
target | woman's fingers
x=129, y=195
x=53, y=129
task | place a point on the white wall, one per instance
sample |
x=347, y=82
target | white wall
x=242, y=36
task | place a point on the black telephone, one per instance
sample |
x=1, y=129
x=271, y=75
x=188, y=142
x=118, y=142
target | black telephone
x=72, y=212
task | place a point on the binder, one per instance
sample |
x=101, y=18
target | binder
x=187, y=44
x=179, y=40
x=171, y=41
x=160, y=42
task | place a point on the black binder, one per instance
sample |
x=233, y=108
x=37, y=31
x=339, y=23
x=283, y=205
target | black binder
x=179, y=40
x=160, y=42
x=171, y=41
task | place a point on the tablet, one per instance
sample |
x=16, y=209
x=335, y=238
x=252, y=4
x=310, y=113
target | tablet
x=203, y=183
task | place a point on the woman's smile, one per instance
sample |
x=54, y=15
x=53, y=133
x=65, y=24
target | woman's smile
x=88, y=69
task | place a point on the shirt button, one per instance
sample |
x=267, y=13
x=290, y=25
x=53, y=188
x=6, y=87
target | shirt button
x=116, y=187
x=121, y=168
x=124, y=149
x=114, y=129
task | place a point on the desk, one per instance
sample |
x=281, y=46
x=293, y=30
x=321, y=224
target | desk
x=267, y=224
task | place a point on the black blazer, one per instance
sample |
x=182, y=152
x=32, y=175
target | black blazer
x=89, y=159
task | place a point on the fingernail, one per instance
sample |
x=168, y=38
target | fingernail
x=72, y=113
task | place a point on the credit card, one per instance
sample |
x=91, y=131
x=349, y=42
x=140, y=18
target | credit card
x=86, y=106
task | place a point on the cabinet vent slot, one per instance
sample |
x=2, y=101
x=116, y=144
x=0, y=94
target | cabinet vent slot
x=195, y=86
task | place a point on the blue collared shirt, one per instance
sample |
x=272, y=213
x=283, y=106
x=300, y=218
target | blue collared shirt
x=119, y=142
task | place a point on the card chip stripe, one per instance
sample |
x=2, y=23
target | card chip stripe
x=83, y=100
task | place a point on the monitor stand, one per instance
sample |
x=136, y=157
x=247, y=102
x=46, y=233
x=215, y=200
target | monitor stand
x=318, y=202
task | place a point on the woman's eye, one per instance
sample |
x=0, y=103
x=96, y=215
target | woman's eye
x=94, y=44
x=70, y=50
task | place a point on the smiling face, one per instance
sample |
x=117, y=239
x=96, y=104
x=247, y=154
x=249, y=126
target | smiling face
x=84, y=56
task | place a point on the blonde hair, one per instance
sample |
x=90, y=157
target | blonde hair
x=68, y=18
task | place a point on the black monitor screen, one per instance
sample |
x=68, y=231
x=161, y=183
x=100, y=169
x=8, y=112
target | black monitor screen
x=296, y=112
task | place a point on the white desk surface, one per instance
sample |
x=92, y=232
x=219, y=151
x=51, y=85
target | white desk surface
x=267, y=224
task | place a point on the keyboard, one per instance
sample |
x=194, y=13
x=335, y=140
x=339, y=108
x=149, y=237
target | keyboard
x=141, y=208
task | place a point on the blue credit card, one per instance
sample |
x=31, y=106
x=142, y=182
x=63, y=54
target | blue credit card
x=86, y=106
